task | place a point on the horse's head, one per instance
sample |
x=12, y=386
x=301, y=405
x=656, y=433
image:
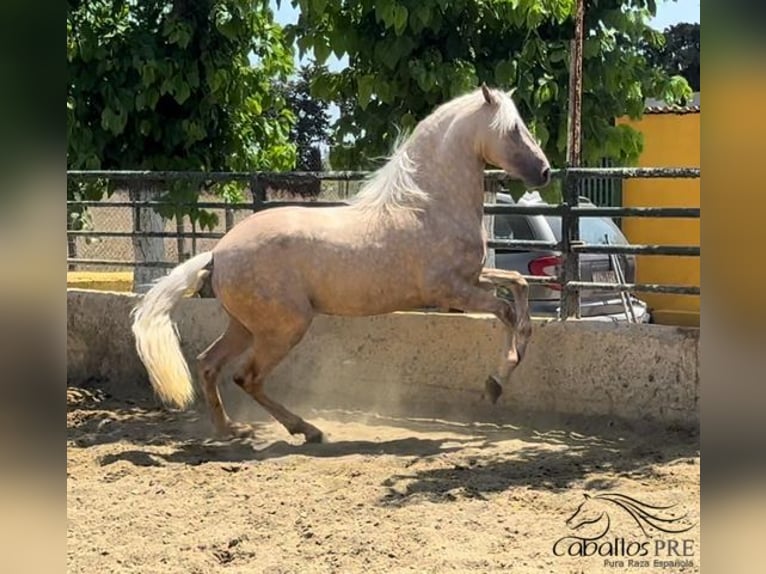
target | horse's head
x=588, y=512
x=506, y=142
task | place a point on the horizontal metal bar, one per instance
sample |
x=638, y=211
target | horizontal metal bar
x=636, y=211
x=536, y=280
x=539, y=279
x=634, y=172
x=637, y=287
x=583, y=285
x=682, y=250
x=489, y=208
x=533, y=279
x=240, y=206
x=494, y=244
x=522, y=244
x=120, y=263
x=216, y=176
x=513, y=209
x=170, y=234
x=245, y=176
x=507, y=209
x=184, y=204
x=611, y=173
x=285, y=203
x=170, y=264
x=497, y=244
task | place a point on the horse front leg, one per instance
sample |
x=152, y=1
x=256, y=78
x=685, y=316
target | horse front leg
x=476, y=298
x=491, y=279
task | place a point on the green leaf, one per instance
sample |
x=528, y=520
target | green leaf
x=557, y=55
x=400, y=19
x=318, y=6
x=254, y=106
x=140, y=101
x=145, y=127
x=321, y=51
x=423, y=14
x=544, y=93
x=365, y=87
x=339, y=43
x=148, y=75
x=182, y=92
x=505, y=72
x=542, y=134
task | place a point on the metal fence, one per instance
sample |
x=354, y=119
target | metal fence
x=603, y=191
x=345, y=185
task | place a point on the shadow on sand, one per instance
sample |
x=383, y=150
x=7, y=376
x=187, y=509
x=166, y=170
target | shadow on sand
x=473, y=459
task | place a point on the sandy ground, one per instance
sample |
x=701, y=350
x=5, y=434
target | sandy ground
x=148, y=492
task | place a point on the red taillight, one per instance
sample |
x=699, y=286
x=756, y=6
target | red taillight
x=548, y=266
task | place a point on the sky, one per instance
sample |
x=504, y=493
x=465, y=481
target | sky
x=669, y=12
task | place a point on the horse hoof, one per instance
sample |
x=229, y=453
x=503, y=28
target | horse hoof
x=313, y=436
x=493, y=389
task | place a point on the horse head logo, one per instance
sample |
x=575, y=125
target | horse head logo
x=593, y=516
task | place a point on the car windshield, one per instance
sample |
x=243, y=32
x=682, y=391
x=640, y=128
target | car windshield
x=593, y=230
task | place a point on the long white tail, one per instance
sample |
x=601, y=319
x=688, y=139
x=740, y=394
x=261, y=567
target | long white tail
x=156, y=335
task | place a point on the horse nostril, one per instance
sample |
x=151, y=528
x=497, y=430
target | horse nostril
x=546, y=174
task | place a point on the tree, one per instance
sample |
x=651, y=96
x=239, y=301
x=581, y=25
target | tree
x=310, y=131
x=679, y=53
x=312, y=125
x=407, y=56
x=168, y=85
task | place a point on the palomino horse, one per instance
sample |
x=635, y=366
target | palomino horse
x=412, y=238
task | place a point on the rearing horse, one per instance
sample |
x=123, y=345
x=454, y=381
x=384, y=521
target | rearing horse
x=412, y=238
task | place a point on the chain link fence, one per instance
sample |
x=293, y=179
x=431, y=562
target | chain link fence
x=116, y=214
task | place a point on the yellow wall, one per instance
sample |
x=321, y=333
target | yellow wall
x=670, y=140
x=100, y=280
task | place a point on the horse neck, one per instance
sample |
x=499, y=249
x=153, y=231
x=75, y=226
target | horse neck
x=450, y=169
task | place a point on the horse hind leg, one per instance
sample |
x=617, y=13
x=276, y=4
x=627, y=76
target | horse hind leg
x=270, y=346
x=476, y=298
x=251, y=380
x=232, y=343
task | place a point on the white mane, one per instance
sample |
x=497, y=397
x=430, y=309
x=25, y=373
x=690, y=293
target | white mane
x=393, y=185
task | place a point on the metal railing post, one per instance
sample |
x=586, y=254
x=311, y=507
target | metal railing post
x=570, y=237
x=257, y=192
x=570, y=223
x=490, y=194
x=228, y=216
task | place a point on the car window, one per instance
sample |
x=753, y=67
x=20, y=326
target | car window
x=596, y=230
x=592, y=230
x=512, y=227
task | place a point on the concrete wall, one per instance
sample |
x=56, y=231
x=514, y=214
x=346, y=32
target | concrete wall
x=633, y=372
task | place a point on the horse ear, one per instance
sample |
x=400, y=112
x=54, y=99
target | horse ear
x=511, y=92
x=488, y=96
